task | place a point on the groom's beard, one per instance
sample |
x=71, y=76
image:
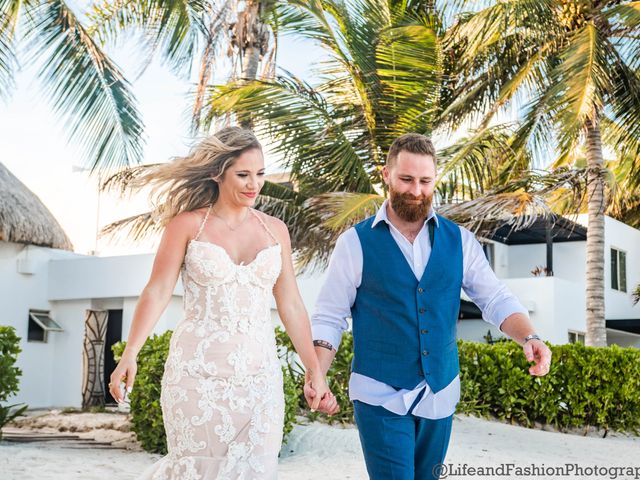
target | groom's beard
x=403, y=205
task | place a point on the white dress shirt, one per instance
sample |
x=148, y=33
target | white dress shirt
x=338, y=294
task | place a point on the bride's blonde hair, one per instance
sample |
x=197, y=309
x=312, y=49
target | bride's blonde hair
x=188, y=183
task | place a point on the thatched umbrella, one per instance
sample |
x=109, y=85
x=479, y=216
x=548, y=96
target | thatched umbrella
x=24, y=218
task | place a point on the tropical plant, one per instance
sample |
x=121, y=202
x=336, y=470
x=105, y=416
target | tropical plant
x=85, y=87
x=185, y=33
x=9, y=374
x=189, y=32
x=385, y=76
x=571, y=68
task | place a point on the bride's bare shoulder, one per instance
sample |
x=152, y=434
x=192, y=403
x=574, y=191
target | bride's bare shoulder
x=277, y=226
x=187, y=223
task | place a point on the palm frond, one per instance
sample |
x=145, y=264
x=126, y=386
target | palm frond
x=622, y=127
x=519, y=203
x=334, y=213
x=474, y=164
x=9, y=15
x=173, y=26
x=85, y=86
x=289, y=206
x=409, y=67
x=119, y=181
x=134, y=228
x=311, y=138
x=340, y=210
x=627, y=13
x=581, y=78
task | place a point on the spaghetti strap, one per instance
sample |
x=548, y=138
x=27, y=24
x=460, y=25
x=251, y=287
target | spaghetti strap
x=203, y=222
x=264, y=225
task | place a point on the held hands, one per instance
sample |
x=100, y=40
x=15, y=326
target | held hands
x=318, y=395
x=538, y=352
x=126, y=370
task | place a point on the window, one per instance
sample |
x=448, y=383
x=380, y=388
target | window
x=618, y=270
x=40, y=324
x=576, y=337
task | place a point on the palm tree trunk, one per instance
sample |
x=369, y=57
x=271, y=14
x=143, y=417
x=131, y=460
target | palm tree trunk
x=596, y=332
x=252, y=38
x=250, y=63
x=203, y=81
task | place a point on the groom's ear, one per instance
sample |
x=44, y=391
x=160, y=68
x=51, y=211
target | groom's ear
x=386, y=174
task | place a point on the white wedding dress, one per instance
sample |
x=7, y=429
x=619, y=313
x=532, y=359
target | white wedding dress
x=222, y=395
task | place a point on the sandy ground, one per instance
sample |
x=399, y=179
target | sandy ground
x=318, y=451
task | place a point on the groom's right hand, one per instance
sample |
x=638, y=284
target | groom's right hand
x=328, y=404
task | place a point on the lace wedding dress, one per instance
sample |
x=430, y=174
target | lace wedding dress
x=222, y=396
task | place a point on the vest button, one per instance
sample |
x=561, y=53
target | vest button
x=422, y=310
x=425, y=353
x=420, y=290
x=424, y=331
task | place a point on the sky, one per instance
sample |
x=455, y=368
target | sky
x=34, y=146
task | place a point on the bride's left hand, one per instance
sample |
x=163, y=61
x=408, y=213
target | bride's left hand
x=322, y=400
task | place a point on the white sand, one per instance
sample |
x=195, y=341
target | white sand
x=318, y=451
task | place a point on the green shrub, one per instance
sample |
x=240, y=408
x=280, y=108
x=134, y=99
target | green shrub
x=146, y=412
x=587, y=386
x=9, y=373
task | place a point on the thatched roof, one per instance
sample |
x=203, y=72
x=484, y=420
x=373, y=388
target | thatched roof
x=24, y=218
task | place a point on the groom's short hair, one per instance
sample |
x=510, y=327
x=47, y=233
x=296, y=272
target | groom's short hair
x=412, y=143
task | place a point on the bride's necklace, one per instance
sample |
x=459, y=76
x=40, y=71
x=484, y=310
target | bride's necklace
x=233, y=229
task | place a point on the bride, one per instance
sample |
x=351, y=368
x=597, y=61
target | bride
x=222, y=394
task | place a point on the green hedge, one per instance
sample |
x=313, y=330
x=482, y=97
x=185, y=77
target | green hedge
x=9, y=374
x=146, y=413
x=586, y=386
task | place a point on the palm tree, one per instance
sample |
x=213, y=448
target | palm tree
x=385, y=77
x=85, y=87
x=571, y=66
x=230, y=34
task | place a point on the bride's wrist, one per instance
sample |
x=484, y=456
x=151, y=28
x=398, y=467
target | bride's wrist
x=316, y=376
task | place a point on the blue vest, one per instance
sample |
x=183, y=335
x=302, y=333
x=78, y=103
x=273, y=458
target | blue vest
x=404, y=330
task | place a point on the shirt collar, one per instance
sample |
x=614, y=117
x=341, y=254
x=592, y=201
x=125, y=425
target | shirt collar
x=382, y=216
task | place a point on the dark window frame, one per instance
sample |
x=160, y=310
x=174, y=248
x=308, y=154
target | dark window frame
x=37, y=330
x=618, y=266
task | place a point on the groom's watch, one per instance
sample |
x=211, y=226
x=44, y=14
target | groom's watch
x=533, y=336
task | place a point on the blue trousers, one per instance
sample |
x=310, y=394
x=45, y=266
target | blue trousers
x=401, y=447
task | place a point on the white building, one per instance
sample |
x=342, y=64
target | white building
x=44, y=286
x=556, y=303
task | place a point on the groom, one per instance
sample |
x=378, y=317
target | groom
x=398, y=276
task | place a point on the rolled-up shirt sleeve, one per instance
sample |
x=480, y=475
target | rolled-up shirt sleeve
x=338, y=292
x=482, y=286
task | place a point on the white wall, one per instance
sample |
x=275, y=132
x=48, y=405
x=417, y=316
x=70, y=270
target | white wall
x=619, y=305
x=475, y=330
x=101, y=277
x=569, y=260
x=556, y=305
x=167, y=321
x=21, y=292
x=501, y=259
x=624, y=339
x=66, y=370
